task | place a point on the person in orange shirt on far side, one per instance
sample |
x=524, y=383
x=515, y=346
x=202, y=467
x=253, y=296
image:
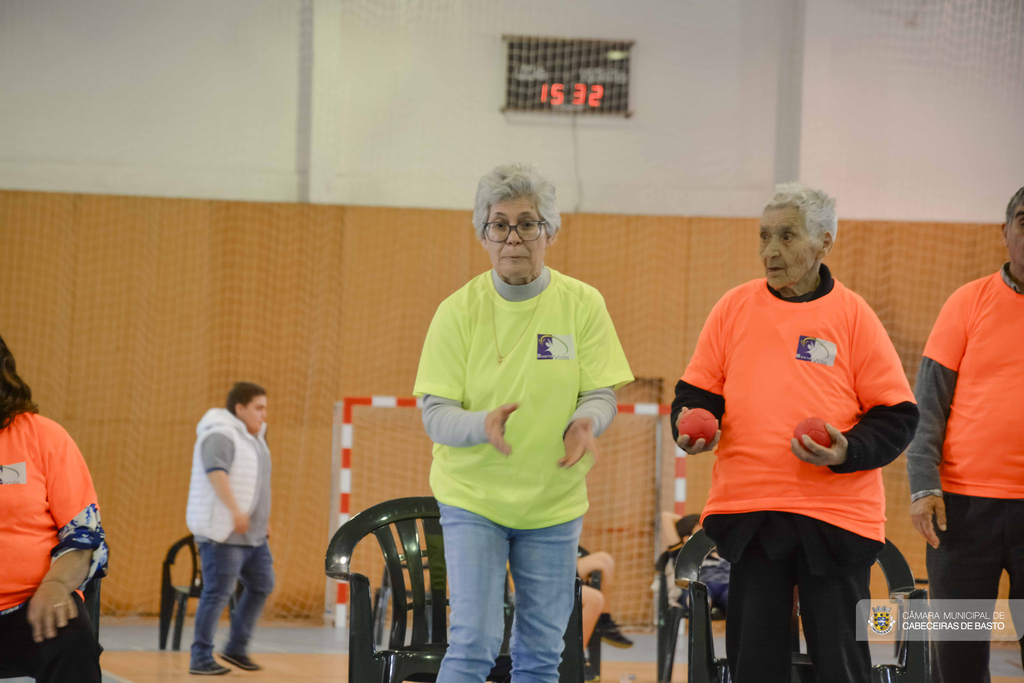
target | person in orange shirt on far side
x=966, y=464
x=773, y=352
x=51, y=543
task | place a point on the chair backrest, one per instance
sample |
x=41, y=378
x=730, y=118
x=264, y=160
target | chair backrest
x=898, y=576
x=195, y=583
x=691, y=557
x=405, y=565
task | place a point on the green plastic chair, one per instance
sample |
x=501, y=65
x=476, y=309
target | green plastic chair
x=414, y=654
x=912, y=663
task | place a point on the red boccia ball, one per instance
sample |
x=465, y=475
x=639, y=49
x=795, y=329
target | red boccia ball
x=814, y=427
x=698, y=424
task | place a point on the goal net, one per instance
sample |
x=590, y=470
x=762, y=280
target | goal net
x=382, y=453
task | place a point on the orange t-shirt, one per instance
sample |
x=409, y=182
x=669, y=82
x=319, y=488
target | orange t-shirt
x=978, y=335
x=777, y=363
x=45, y=484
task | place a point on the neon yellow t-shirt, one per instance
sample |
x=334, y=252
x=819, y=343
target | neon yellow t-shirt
x=569, y=346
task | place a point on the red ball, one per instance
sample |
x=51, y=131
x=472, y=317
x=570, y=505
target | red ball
x=814, y=427
x=698, y=424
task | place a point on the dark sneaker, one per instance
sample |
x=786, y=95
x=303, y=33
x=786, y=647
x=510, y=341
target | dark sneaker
x=210, y=668
x=611, y=634
x=241, y=661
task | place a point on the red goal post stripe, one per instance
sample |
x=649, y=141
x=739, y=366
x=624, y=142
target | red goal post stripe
x=350, y=402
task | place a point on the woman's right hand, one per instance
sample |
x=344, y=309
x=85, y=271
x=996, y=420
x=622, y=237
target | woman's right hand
x=494, y=426
x=700, y=446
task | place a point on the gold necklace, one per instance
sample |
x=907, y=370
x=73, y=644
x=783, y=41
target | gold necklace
x=494, y=325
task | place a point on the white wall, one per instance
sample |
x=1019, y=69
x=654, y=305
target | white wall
x=902, y=109
x=419, y=116
x=186, y=98
x=913, y=110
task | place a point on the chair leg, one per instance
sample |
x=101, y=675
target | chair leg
x=166, y=611
x=594, y=651
x=363, y=665
x=571, y=668
x=179, y=621
x=701, y=653
x=668, y=635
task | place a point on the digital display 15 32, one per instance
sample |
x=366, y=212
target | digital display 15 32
x=567, y=75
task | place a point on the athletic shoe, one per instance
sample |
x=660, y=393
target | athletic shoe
x=241, y=661
x=610, y=632
x=210, y=668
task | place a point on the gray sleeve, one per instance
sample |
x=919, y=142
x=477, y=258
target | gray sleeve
x=599, y=405
x=218, y=452
x=934, y=393
x=448, y=423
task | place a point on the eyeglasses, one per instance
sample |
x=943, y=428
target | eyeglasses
x=528, y=231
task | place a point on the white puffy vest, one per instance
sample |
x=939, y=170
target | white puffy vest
x=206, y=515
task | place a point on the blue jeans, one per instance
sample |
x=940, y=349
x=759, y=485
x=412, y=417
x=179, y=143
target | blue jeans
x=543, y=564
x=222, y=565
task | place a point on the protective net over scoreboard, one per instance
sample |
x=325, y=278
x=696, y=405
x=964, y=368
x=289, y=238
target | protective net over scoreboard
x=576, y=76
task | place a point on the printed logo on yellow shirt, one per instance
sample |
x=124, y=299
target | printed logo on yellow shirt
x=816, y=350
x=555, y=347
x=13, y=474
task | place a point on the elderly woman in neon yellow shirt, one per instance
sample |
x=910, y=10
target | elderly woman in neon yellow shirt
x=518, y=374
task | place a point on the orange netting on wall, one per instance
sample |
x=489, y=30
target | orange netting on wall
x=131, y=316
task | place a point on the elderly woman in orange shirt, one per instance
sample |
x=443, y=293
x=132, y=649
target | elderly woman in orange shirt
x=775, y=351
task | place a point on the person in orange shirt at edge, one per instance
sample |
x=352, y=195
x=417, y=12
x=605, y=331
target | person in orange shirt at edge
x=773, y=352
x=51, y=540
x=966, y=463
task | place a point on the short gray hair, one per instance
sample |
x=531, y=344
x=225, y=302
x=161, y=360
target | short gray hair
x=817, y=208
x=513, y=181
x=1015, y=201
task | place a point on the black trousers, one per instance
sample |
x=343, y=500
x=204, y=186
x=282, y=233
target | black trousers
x=72, y=657
x=758, y=638
x=983, y=537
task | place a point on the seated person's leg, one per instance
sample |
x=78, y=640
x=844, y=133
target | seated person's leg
x=603, y=562
x=593, y=605
x=73, y=655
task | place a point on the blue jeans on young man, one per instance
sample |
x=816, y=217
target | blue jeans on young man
x=223, y=565
x=543, y=565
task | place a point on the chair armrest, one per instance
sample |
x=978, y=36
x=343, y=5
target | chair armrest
x=351, y=577
x=691, y=557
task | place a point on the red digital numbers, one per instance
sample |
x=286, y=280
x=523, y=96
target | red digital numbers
x=556, y=93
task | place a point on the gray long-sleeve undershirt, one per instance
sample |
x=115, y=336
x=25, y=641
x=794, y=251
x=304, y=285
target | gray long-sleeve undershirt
x=934, y=391
x=448, y=423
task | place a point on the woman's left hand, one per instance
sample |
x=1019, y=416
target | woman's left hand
x=578, y=440
x=810, y=451
x=52, y=607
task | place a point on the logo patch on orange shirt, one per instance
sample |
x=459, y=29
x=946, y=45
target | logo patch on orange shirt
x=816, y=350
x=13, y=474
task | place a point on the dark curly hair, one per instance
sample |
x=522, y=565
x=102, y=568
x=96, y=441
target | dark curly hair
x=15, y=395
